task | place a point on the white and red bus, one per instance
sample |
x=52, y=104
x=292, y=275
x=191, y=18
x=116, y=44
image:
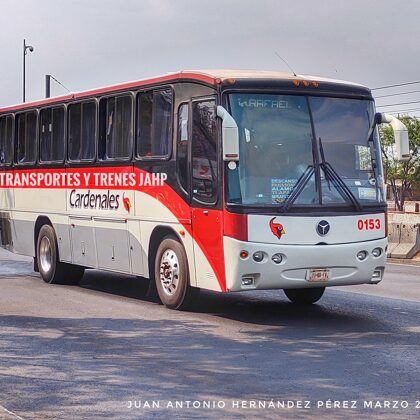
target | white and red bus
x=220, y=180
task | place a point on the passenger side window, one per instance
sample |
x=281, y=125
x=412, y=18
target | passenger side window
x=26, y=127
x=52, y=135
x=82, y=131
x=204, y=151
x=116, y=127
x=154, y=123
x=6, y=140
x=182, y=149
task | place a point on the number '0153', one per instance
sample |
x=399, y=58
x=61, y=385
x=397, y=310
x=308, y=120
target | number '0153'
x=369, y=224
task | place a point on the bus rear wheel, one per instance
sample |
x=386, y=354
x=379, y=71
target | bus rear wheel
x=172, y=275
x=304, y=296
x=51, y=269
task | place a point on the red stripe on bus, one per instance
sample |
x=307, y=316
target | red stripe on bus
x=114, y=88
x=236, y=226
x=210, y=244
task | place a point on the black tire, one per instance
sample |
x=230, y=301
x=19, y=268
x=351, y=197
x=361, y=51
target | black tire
x=51, y=269
x=143, y=285
x=177, y=294
x=304, y=296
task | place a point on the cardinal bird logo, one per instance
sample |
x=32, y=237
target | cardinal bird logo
x=276, y=228
x=127, y=203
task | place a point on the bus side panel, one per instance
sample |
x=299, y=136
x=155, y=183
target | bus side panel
x=138, y=254
x=23, y=225
x=163, y=207
x=6, y=204
x=6, y=231
x=23, y=231
x=62, y=229
x=6, y=198
x=111, y=238
x=208, y=248
x=47, y=202
x=83, y=243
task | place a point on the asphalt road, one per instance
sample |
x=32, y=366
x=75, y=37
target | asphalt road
x=91, y=351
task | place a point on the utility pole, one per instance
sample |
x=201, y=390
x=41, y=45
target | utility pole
x=47, y=85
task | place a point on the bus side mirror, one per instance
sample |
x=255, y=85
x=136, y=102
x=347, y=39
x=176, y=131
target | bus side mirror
x=400, y=134
x=230, y=136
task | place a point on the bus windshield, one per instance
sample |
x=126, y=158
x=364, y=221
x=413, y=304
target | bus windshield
x=304, y=151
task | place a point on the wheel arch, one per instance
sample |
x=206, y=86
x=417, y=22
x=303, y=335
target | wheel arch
x=158, y=233
x=41, y=221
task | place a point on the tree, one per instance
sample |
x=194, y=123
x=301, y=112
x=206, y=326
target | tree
x=402, y=176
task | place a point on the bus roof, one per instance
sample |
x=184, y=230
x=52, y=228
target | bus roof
x=266, y=74
x=211, y=77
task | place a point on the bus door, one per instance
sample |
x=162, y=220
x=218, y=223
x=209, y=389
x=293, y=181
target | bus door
x=207, y=219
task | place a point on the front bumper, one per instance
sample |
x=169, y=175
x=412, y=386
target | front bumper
x=340, y=259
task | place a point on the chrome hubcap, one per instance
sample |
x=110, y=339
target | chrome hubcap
x=169, y=272
x=45, y=254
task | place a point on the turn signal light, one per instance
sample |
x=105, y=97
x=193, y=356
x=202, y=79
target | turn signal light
x=305, y=83
x=243, y=254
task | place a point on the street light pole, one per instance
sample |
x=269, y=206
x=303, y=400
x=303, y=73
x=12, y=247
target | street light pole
x=25, y=51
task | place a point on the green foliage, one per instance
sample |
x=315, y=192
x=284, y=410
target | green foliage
x=402, y=176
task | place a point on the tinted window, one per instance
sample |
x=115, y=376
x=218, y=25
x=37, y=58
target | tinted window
x=89, y=130
x=116, y=127
x=182, y=148
x=341, y=127
x=75, y=132
x=52, y=135
x=154, y=120
x=26, y=137
x=6, y=140
x=45, y=133
x=82, y=131
x=275, y=140
x=204, y=151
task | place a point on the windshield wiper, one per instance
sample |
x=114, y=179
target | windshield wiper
x=336, y=180
x=299, y=186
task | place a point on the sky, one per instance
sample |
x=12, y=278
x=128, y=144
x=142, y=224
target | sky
x=92, y=43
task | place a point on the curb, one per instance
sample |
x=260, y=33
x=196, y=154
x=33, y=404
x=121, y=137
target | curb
x=405, y=261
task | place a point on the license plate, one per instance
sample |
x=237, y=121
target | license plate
x=318, y=275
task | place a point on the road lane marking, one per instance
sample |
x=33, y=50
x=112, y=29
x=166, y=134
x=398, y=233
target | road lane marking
x=11, y=413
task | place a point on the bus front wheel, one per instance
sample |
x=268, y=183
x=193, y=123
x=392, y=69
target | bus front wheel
x=51, y=269
x=172, y=275
x=304, y=296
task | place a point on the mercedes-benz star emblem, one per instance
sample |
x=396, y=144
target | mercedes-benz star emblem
x=323, y=227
